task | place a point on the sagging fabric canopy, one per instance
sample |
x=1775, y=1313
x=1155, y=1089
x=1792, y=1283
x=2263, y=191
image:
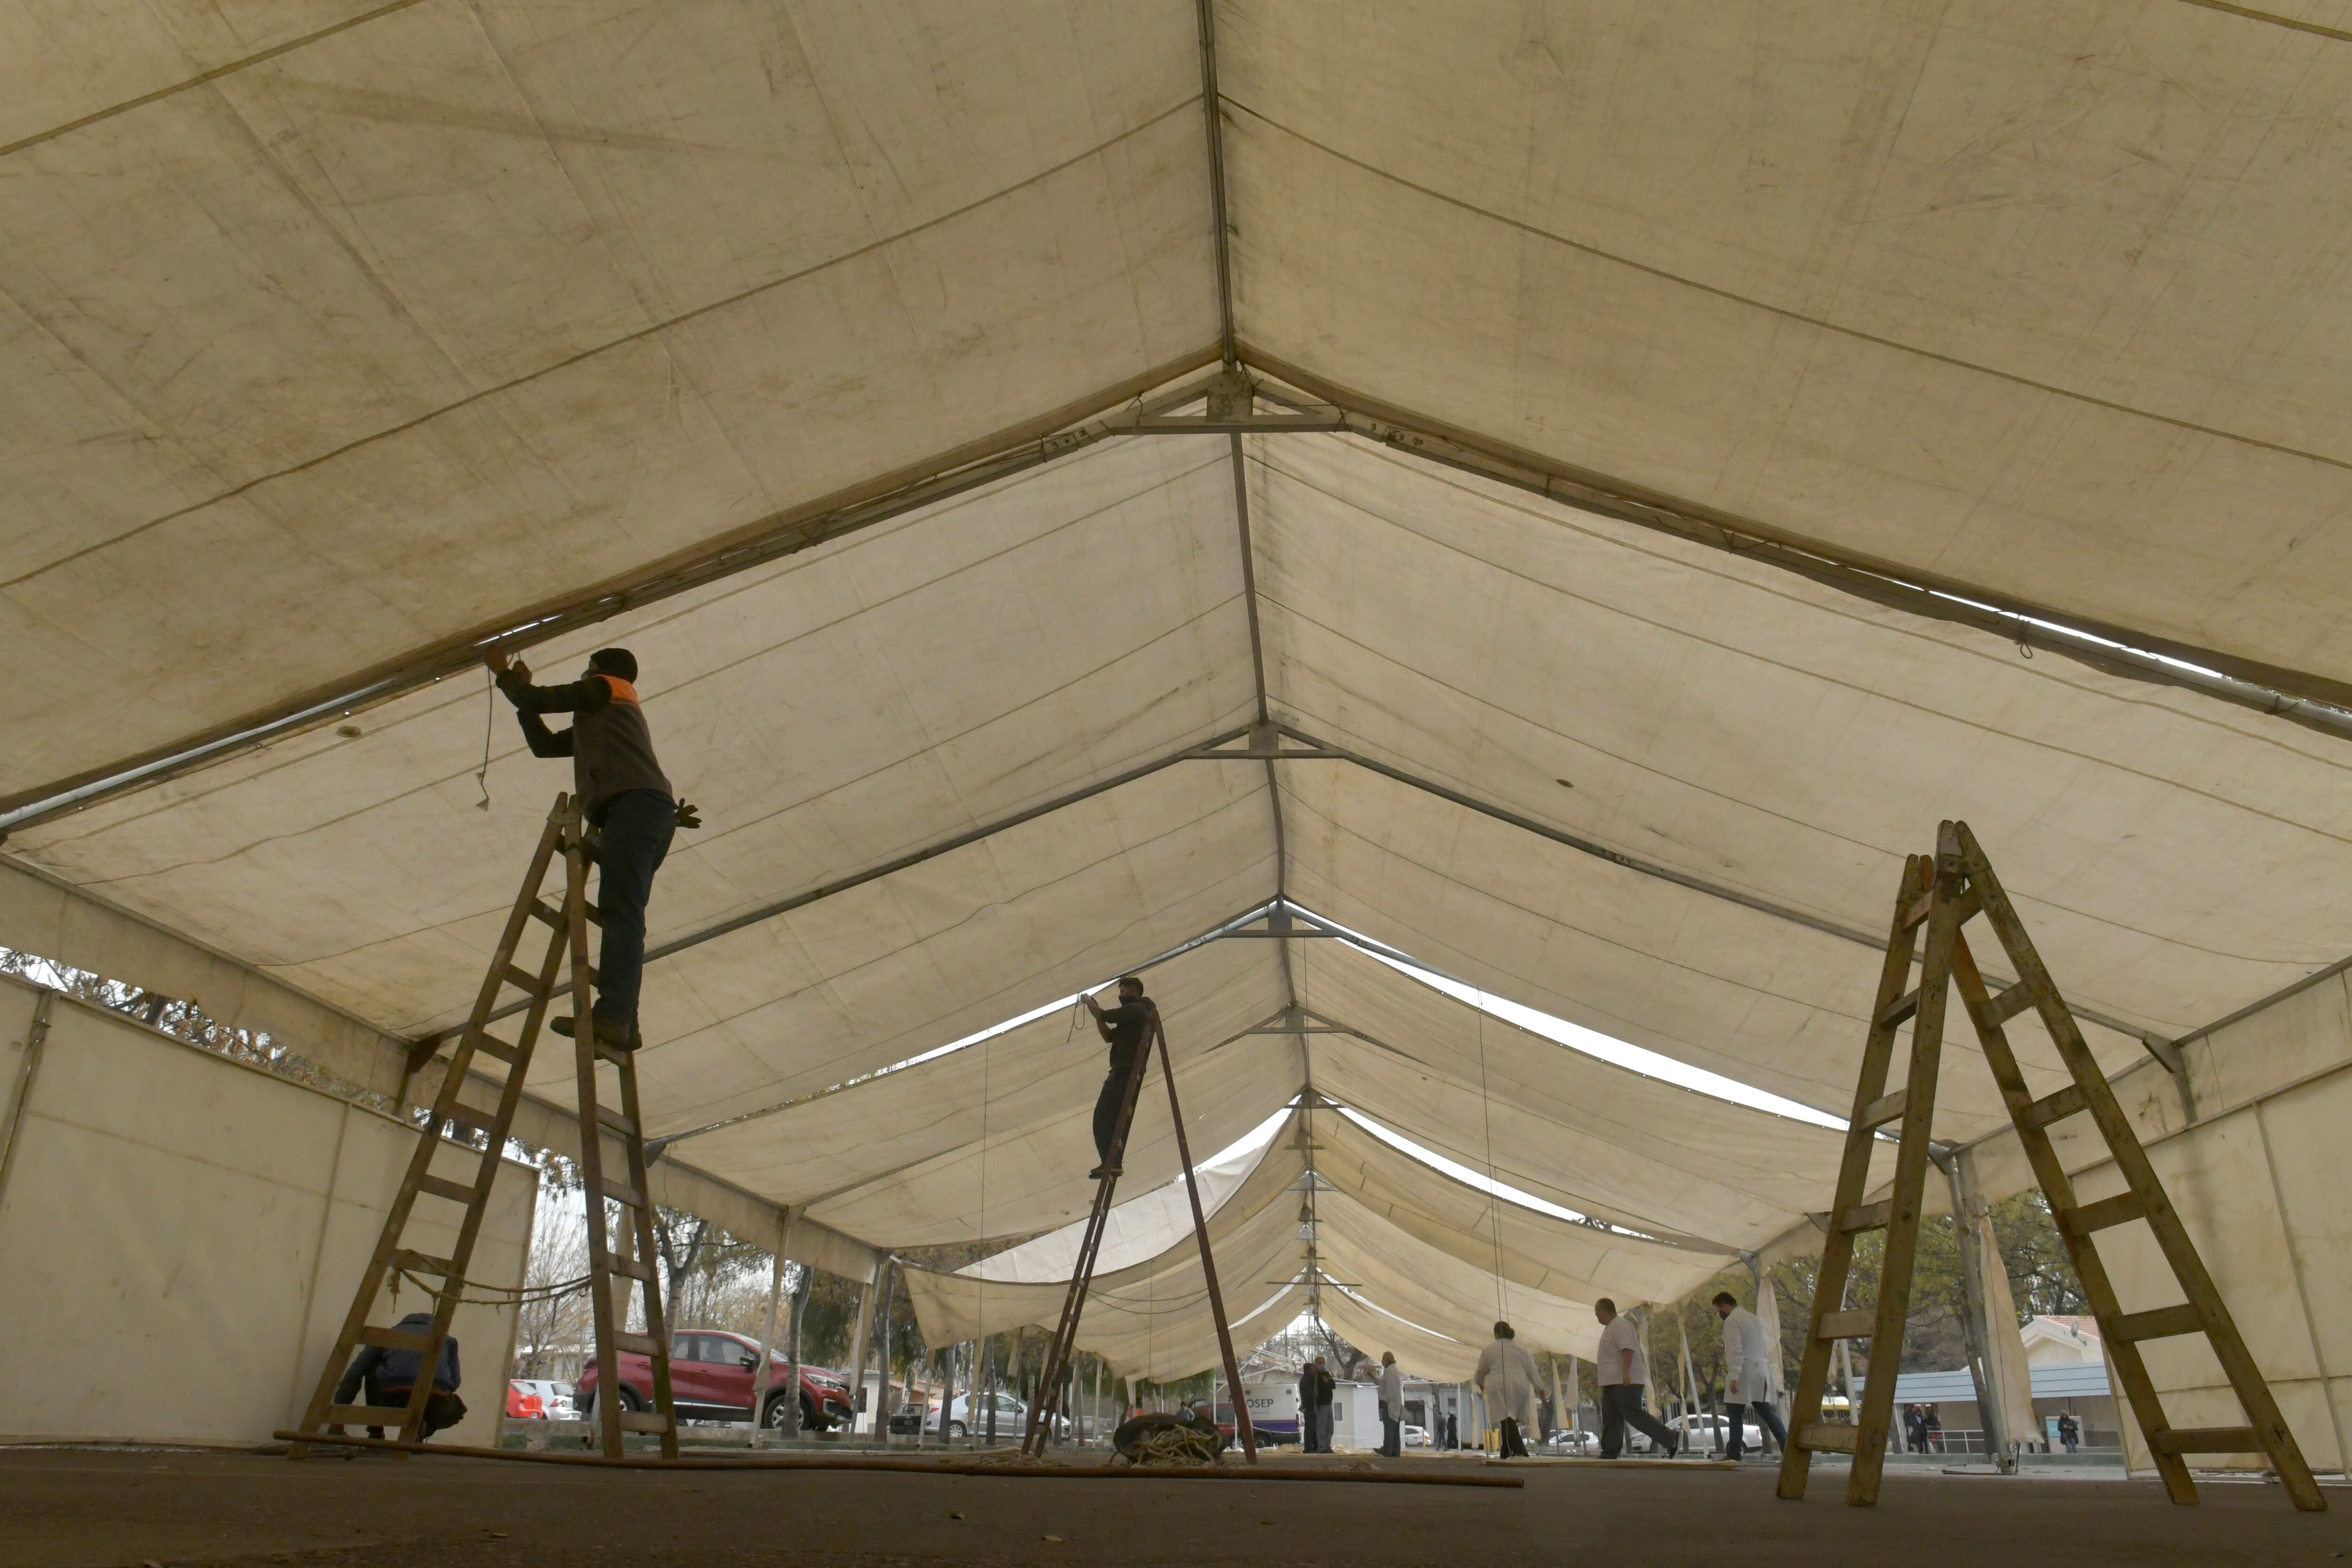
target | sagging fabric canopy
x=1646, y=371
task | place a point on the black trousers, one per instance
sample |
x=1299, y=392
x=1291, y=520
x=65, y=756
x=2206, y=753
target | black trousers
x=1109, y=1102
x=1621, y=1407
x=634, y=841
x=1392, y=1437
x=1765, y=1414
x=1512, y=1446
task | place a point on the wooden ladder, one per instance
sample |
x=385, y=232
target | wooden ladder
x=568, y=839
x=1941, y=893
x=1043, y=1410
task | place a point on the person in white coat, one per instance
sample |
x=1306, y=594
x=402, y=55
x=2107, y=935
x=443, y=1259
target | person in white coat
x=1507, y=1376
x=1747, y=1357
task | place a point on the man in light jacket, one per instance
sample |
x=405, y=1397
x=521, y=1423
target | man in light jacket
x=1391, y=1406
x=1748, y=1356
x=1507, y=1376
x=1623, y=1371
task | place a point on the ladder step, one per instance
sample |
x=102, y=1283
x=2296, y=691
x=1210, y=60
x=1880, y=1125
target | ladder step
x=2085, y=1218
x=393, y=1339
x=618, y=1059
x=621, y=1193
x=423, y=1263
x=2068, y=1101
x=644, y=1421
x=527, y=983
x=630, y=1266
x=615, y=1121
x=366, y=1414
x=2009, y=1004
x=1858, y=1324
x=441, y=1187
x=1887, y=1108
x=496, y=1049
x=541, y=910
x=2164, y=1323
x=2206, y=1440
x=470, y=1121
x=1869, y=1216
x=635, y=1344
x=1902, y=1008
x=1917, y=915
x=1825, y=1437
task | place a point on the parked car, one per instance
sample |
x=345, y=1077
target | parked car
x=1012, y=1419
x=1695, y=1432
x=554, y=1398
x=711, y=1371
x=523, y=1405
x=1413, y=1436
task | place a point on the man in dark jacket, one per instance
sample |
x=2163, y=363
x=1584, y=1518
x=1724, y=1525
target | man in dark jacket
x=1127, y=1028
x=627, y=799
x=389, y=1376
x=1306, y=1424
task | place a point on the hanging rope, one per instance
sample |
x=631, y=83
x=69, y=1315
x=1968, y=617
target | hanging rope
x=489, y=722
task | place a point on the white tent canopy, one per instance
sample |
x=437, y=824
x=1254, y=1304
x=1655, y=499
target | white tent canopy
x=1661, y=416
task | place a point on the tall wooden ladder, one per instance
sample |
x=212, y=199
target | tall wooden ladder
x=1939, y=894
x=1047, y=1405
x=568, y=839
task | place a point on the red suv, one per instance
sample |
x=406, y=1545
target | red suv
x=710, y=1373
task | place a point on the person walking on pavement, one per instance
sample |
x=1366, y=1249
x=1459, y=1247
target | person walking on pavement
x=1507, y=1376
x=1307, y=1425
x=1623, y=1372
x=1747, y=1354
x=1393, y=1408
x=1128, y=1030
x=625, y=796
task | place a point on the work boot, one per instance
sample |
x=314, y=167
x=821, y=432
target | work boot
x=610, y=1035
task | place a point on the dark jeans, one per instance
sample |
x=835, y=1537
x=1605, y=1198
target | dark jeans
x=1770, y=1419
x=1107, y=1105
x=1511, y=1445
x=1621, y=1407
x=1391, y=1439
x=638, y=826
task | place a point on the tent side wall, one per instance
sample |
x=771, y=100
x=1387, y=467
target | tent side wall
x=180, y=1235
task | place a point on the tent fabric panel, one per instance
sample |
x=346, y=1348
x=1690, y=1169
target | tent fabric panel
x=1525, y=1246
x=1627, y=1119
x=1436, y=1289
x=368, y=414
x=1038, y=1181
x=990, y=1095
x=827, y=714
x=1787, y=742
x=831, y=992
x=1875, y=347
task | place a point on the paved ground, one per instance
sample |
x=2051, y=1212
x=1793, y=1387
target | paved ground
x=87, y=1509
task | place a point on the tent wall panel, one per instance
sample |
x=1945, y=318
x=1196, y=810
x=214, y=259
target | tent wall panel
x=180, y=1236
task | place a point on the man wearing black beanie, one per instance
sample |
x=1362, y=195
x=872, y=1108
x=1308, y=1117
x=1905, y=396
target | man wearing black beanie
x=627, y=799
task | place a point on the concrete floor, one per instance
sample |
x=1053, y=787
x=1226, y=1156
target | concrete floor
x=92, y=1508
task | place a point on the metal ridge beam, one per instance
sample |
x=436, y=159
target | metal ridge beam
x=2318, y=702
x=1114, y=411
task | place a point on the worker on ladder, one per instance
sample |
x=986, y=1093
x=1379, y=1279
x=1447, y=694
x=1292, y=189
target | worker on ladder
x=1127, y=1028
x=627, y=799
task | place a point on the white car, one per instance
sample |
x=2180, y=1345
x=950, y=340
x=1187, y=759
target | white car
x=1411, y=1436
x=1574, y=1442
x=1012, y=1419
x=1695, y=1431
x=555, y=1403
